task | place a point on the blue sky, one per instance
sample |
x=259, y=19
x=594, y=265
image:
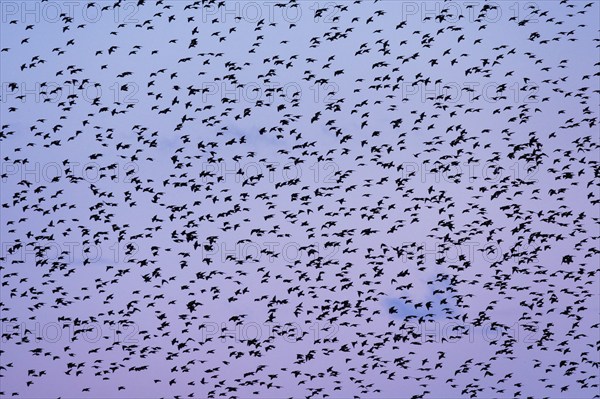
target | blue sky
x=374, y=220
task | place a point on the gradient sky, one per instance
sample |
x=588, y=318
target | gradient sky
x=484, y=199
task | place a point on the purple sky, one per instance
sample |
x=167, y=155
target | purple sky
x=383, y=199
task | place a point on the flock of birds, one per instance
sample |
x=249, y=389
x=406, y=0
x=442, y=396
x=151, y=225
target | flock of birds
x=300, y=199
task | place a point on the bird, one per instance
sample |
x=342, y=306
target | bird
x=361, y=199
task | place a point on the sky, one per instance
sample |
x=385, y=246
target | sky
x=384, y=199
